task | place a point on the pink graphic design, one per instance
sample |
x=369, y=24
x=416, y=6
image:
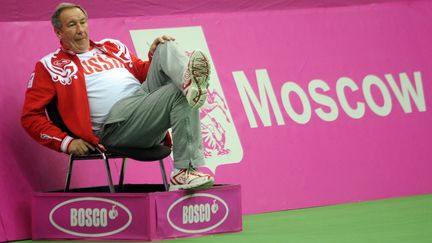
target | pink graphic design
x=221, y=142
x=213, y=131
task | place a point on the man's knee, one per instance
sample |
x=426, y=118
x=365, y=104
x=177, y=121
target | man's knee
x=167, y=47
x=174, y=92
x=169, y=90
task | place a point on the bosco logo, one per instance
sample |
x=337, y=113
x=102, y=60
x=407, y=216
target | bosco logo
x=90, y=217
x=197, y=213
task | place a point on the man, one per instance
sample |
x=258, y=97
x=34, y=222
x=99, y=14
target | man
x=106, y=95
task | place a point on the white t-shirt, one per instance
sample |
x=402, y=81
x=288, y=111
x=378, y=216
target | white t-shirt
x=107, y=81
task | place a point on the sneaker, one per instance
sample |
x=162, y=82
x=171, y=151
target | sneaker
x=195, y=79
x=190, y=179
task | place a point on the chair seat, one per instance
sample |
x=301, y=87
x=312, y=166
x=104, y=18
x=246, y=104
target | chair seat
x=158, y=152
x=148, y=154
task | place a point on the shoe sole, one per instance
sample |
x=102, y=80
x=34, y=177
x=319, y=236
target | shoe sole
x=205, y=185
x=197, y=94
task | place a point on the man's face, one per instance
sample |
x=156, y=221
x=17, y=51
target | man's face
x=74, y=30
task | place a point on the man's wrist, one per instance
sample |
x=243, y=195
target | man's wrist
x=64, y=147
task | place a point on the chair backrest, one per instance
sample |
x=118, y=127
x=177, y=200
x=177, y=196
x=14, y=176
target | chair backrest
x=54, y=116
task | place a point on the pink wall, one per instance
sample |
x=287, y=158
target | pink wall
x=41, y=10
x=290, y=159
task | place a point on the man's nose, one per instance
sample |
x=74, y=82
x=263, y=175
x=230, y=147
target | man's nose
x=79, y=28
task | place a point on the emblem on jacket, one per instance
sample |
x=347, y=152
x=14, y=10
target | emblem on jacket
x=122, y=51
x=61, y=70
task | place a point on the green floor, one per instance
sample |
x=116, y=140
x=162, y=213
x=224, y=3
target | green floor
x=407, y=219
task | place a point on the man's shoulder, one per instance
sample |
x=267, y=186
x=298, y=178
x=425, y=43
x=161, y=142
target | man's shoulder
x=109, y=41
x=50, y=55
x=113, y=44
x=116, y=48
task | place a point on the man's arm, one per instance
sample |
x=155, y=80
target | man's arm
x=40, y=92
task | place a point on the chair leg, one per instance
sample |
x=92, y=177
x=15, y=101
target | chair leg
x=164, y=177
x=110, y=183
x=69, y=173
x=122, y=172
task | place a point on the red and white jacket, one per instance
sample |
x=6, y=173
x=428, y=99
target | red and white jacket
x=59, y=76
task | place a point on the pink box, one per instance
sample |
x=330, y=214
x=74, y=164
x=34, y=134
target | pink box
x=140, y=216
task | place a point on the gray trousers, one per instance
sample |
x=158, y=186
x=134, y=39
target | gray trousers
x=142, y=119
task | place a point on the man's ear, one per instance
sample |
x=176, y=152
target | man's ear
x=58, y=33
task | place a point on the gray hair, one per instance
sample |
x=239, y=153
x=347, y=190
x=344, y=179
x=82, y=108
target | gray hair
x=55, y=19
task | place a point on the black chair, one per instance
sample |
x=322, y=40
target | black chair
x=155, y=153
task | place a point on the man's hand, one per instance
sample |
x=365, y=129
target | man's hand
x=161, y=39
x=80, y=147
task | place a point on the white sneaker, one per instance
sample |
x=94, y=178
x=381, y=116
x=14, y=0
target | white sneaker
x=195, y=79
x=190, y=179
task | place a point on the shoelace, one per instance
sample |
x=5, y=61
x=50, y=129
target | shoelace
x=200, y=67
x=189, y=171
x=193, y=170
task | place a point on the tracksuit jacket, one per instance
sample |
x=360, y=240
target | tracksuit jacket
x=59, y=77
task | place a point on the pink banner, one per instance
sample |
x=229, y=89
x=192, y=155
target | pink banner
x=309, y=107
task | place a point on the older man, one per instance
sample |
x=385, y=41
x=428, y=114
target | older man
x=106, y=95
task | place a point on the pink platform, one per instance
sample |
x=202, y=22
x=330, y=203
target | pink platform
x=136, y=216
